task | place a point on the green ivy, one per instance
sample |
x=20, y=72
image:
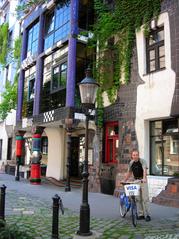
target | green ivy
x=9, y=98
x=3, y=43
x=119, y=23
x=17, y=49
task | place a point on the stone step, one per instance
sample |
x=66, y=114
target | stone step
x=74, y=182
x=166, y=201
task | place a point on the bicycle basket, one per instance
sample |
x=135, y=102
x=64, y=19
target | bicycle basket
x=132, y=189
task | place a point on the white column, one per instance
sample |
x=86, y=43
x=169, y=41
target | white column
x=56, y=152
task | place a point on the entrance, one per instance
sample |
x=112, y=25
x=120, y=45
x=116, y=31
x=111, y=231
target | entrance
x=74, y=164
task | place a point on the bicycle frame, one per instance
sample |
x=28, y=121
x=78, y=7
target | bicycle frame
x=127, y=201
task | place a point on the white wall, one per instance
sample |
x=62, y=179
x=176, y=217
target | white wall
x=154, y=97
x=56, y=152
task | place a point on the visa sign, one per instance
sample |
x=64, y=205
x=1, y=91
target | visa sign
x=131, y=187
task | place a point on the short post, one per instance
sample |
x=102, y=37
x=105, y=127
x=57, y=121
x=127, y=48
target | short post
x=2, y=202
x=57, y=202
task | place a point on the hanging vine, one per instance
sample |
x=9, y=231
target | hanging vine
x=3, y=43
x=114, y=36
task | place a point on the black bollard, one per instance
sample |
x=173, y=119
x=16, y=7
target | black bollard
x=2, y=202
x=57, y=202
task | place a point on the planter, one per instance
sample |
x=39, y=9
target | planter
x=107, y=186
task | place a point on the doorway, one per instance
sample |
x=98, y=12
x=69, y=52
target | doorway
x=74, y=164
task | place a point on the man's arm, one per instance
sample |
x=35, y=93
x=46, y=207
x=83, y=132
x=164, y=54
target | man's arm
x=144, y=175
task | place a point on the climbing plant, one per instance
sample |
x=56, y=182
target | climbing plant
x=26, y=6
x=114, y=37
x=9, y=96
x=3, y=43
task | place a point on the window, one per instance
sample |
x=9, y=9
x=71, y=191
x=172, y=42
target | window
x=0, y=149
x=164, y=147
x=9, y=149
x=59, y=75
x=33, y=35
x=44, y=145
x=10, y=40
x=57, y=25
x=31, y=88
x=111, y=142
x=155, y=50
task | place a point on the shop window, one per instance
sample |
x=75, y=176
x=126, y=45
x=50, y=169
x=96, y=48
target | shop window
x=33, y=35
x=164, y=145
x=57, y=25
x=155, y=50
x=0, y=149
x=59, y=75
x=111, y=142
x=44, y=145
x=9, y=149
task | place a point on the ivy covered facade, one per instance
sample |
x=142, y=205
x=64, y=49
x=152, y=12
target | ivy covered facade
x=137, y=68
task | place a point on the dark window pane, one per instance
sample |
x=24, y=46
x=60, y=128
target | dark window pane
x=156, y=128
x=162, y=62
x=156, y=156
x=152, y=65
x=55, y=78
x=161, y=51
x=152, y=54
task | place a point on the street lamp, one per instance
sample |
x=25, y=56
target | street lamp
x=68, y=124
x=88, y=89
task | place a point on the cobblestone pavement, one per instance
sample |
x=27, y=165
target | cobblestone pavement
x=33, y=215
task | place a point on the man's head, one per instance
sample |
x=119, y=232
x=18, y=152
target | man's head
x=135, y=154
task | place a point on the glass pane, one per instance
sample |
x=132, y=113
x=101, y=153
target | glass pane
x=171, y=155
x=161, y=51
x=49, y=24
x=110, y=142
x=152, y=54
x=152, y=65
x=63, y=78
x=160, y=36
x=55, y=78
x=156, y=156
x=156, y=128
x=162, y=62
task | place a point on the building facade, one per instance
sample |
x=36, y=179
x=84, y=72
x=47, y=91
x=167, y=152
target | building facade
x=144, y=116
x=53, y=61
x=7, y=74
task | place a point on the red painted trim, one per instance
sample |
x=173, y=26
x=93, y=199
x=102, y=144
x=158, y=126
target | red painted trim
x=108, y=138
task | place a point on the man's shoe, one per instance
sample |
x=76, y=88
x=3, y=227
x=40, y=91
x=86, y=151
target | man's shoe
x=140, y=217
x=148, y=218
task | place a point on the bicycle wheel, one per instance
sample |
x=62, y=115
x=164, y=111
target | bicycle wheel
x=122, y=207
x=134, y=213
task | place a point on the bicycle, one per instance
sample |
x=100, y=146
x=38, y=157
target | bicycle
x=128, y=200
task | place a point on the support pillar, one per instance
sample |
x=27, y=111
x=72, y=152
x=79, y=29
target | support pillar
x=71, y=70
x=21, y=78
x=19, y=152
x=35, y=173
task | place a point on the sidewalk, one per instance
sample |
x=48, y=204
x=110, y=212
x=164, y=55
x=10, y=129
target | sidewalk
x=29, y=207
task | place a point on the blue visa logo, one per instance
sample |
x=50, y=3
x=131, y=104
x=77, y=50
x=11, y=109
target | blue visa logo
x=132, y=187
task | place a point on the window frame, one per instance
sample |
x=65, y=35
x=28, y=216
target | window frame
x=155, y=47
x=161, y=137
x=30, y=78
x=60, y=87
x=30, y=45
x=108, y=138
x=55, y=27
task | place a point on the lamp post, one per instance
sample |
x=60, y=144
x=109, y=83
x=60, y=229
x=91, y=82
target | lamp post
x=88, y=89
x=68, y=123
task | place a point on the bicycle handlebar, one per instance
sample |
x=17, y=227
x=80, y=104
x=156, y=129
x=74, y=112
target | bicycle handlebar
x=132, y=182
